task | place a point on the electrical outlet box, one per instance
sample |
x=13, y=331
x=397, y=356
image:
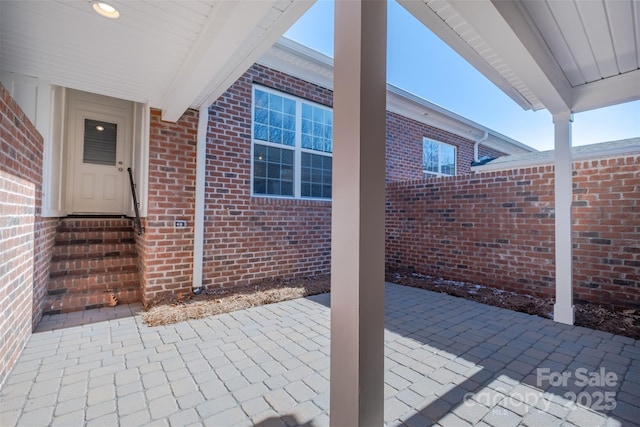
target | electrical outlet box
x=180, y=224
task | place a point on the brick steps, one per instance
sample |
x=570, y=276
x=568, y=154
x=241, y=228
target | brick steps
x=94, y=264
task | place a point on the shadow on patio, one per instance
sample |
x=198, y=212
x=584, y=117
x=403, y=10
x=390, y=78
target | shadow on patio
x=448, y=361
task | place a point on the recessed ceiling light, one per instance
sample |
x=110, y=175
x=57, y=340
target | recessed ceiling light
x=105, y=9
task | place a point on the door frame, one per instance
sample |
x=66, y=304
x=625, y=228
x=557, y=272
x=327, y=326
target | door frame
x=83, y=105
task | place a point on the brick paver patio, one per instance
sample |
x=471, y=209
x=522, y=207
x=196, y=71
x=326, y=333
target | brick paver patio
x=449, y=362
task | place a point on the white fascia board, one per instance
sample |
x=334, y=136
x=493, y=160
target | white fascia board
x=431, y=20
x=297, y=60
x=603, y=93
x=492, y=26
x=224, y=50
x=223, y=81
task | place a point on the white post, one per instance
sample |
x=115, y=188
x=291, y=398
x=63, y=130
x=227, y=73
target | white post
x=198, y=220
x=358, y=210
x=563, y=310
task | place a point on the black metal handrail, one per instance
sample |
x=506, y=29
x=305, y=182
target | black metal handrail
x=135, y=203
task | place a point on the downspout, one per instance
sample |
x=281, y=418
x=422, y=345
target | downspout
x=476, y=157
x=198, y=220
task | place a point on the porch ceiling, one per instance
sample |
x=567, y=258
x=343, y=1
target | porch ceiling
x=173, y=54
x=556, y=54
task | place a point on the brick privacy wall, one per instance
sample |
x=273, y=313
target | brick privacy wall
x=497, y=229
x=250, y=238
x=26, y=243
x=166, y=252
x=404, y=148
x=606, y=237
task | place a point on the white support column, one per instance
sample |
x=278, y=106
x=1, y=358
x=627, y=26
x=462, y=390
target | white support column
x=358, y=210
x=563, y=310
x=198, y=220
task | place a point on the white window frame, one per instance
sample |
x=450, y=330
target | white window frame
x=296, y=148
x=440, y=144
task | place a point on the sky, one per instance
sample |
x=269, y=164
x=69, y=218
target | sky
x=419, y=62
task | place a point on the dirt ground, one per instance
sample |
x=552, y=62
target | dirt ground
x=216, y=301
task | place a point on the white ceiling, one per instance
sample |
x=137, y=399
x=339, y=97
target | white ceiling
x=173, y=54
x=563, y=55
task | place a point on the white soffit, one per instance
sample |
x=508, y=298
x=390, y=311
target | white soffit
x=562, y=55
x=171, y=54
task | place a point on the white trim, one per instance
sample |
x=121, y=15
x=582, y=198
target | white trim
x=201, y=176
x=140, y=152
x=296, y=148
x=563, y=309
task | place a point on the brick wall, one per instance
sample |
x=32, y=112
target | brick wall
x=26, y=245
x=248, y=238
x=497, y=229
x=404, y=148
x=166, y=252
x=606, y=236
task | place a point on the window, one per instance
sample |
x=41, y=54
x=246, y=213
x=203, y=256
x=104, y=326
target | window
x=438, y=158
x=292, y=146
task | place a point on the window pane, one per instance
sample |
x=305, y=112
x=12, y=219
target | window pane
x=307, y=112
x=100, y=142
x=275, y=119
x=261, y=99
x=275, y=102
x=447, y=159
x=261, y=116
x=275, y=135
x=272, y=171
x=316, y=176
x=289, y=107
x=430, y=156
x=317, y=128
x=261, y=132
x=288, y=122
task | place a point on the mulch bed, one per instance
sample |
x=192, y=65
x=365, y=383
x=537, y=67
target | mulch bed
x=186, y=306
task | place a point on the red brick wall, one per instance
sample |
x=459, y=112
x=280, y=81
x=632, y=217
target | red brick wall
x=26, y=238
x=166, y=252
x=497, y=229
x=249, y=238
x=607, y=230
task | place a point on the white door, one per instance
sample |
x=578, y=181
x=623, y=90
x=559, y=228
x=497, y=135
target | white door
x=100, y=151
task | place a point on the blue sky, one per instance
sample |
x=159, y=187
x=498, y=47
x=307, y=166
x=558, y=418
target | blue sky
x=421, y=63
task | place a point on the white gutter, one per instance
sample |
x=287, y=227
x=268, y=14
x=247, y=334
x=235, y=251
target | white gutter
x=477, y=144
x=198, y=220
